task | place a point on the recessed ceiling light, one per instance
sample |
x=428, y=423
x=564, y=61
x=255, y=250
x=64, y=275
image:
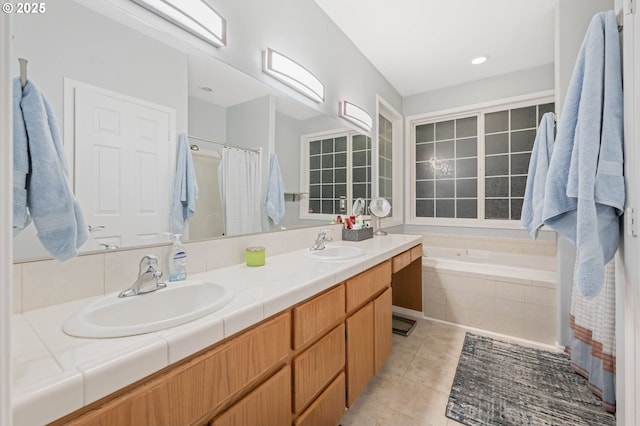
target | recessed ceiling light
x=206, y=89
x=479, y=60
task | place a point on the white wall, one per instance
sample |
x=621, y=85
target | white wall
x=302, y=31
x=207, y=120
x=6, y=221
x=75, y=42
x=503, y=86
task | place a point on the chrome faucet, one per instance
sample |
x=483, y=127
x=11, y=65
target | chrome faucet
x=148, y=278
x=321, y=239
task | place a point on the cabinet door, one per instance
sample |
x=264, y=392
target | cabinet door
x=267, y=405
x=317, y=315
x=316, y=366
x=190, y=392
x=328, y=408
x=360, y=358
x=407, y=286
x=383, y=328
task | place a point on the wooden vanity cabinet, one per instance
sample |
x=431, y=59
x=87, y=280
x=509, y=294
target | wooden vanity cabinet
x=319, y=358
x=269, y=404
x=301, y=367
x=368, y=327
x=192, y=392
x=407, y=279
x=328, y=408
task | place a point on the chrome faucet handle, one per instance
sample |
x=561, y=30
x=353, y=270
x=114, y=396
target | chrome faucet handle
x=148, y=278
x=320, y=240
x=148, y=263
x=322, y=235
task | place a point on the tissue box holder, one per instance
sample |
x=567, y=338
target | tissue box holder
x=357, y=234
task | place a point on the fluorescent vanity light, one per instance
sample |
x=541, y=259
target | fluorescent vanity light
x=292, y=74
x=194, y=16
x=355, y=115
x=479, y=60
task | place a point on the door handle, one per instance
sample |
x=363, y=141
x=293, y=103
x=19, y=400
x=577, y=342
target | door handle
x=96, y=228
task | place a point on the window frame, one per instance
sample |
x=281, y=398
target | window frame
x=304, y=172
x=385, y=109
x=478, y=110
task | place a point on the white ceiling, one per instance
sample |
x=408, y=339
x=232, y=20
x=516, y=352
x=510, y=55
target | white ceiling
x=422, y=45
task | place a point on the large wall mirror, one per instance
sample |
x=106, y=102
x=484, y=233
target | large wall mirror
x=122, y=97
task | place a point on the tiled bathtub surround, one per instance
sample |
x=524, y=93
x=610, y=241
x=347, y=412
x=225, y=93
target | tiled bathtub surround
x=42, y=283
x=526, y=246
x=508, y=294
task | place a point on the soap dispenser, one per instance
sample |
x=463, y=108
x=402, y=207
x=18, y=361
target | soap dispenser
x=177, y=260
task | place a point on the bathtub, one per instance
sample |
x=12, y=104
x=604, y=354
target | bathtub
x=505, y=293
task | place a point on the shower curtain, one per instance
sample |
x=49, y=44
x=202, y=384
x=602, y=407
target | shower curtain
x=239, y=174
x=592, y=342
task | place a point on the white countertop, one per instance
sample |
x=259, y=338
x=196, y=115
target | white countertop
x=55, y=374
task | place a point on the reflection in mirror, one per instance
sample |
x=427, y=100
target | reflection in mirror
x=105, y=78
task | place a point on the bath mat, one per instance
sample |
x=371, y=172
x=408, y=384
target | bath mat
x=500, y=383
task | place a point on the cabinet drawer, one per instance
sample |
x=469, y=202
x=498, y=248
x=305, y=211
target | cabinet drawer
x=313, y=317
x=401, y=260
x=416, y=252
x=187, y=393
x=268, y=404
x=328, y=408
x=315, y=367
x=367, y=284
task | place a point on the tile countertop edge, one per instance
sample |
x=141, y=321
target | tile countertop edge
x=329, y=274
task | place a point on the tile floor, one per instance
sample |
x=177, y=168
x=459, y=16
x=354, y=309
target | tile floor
x=412, y=388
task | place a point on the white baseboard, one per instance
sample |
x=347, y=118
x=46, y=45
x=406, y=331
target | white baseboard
x=407, y=312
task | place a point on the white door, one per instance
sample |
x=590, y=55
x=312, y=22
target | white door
x=207, y=220
x=122, y=169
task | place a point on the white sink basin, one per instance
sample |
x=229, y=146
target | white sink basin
x=335, y=252
x=178, y=303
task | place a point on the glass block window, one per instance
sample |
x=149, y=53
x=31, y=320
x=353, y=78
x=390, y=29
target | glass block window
x=361, y=169
x=509, y=137
x=474, y=166
x=339, y=169
x=385, y=159
x=446, y=154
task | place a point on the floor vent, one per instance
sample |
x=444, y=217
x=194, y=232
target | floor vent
x=403, y=326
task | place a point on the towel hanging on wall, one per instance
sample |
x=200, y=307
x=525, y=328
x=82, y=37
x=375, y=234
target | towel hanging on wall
x=532, y=206
x=584, y=191
x=275, y=192
x=41, y=189
x=185, y=191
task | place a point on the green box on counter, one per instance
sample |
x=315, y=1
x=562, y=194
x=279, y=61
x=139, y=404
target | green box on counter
x=357, y=234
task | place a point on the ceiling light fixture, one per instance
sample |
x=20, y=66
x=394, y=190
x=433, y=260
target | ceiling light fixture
x=479, y=60
x=292, y=74
x=194, y=16
x=355, y=115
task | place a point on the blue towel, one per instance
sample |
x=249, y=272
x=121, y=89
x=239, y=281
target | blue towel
x=21, y=217
x=185, y=192
x=50, y=201
x=531, y=216
x=275, y=191
x=585, y=190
